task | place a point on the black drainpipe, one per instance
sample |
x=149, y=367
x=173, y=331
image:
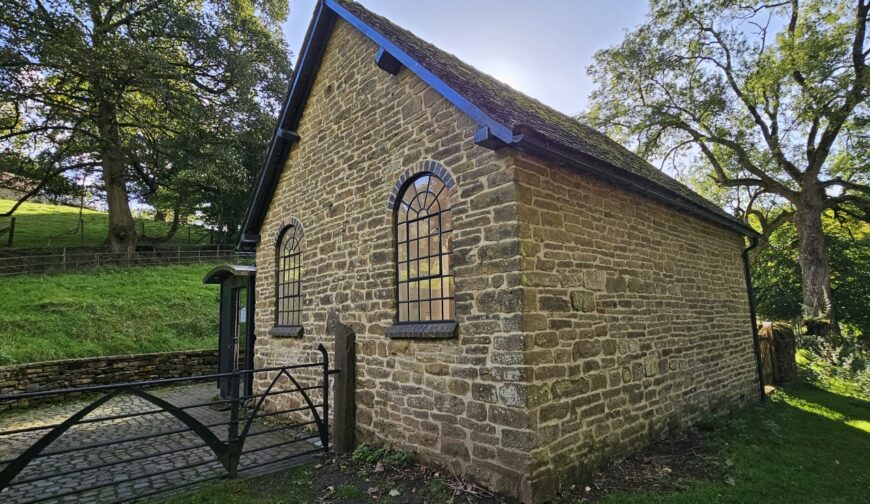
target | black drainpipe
x=753, y=242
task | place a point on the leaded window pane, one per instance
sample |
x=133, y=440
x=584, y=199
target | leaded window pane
x=424, y=245
x=288, y=288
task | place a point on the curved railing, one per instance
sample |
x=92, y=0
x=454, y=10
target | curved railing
x=194, y=419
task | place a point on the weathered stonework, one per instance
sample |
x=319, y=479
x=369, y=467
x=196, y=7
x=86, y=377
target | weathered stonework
x=453, y=400
x=69, y=373
x=590, y=319
x=636, y=317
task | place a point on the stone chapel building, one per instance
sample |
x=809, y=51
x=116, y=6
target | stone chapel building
x=529, y=297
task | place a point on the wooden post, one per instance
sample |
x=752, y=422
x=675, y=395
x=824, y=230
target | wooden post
x=11, y=231
x=344, y=416
x=64, y=258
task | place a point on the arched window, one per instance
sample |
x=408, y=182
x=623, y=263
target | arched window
x=288, y=278
x=424, y=232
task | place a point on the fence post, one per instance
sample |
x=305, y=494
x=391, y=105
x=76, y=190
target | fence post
x=344, y=419
x=324, y=416
x=11, y=231
x=235, y=451
x=64, y=258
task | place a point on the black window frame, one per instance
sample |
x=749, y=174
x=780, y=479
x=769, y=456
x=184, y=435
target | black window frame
x=447, y=296
x=288, y=306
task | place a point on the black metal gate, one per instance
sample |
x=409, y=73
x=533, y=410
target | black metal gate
x=127, y=443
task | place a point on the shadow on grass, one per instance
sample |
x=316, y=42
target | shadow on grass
x=804, y=445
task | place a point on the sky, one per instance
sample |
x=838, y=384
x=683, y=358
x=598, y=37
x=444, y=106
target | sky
x=540, y=47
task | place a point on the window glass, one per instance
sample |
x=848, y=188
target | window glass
x=424, y=242
x=288, y=289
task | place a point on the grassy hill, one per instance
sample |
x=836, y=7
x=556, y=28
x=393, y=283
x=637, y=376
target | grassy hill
x=107, y=312
x=39, y=225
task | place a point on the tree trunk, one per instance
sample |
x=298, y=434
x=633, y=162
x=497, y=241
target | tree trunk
x=813, y=257
x=122, y=229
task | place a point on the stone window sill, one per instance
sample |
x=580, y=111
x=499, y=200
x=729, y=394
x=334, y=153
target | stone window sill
x=423, y=330
x=286, y=331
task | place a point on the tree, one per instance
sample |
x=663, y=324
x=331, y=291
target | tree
x=768, y=99
x=144, y=91
x=776, y=274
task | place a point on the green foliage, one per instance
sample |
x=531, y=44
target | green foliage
x=170, y=100
x=350, y=492
x=761, y=106
x=845, y=377
x=438, y=492
x=368, y=453
x=39, y=225
x=776, y=275
x=286, y=487
x=108, y=312
x=371, y=454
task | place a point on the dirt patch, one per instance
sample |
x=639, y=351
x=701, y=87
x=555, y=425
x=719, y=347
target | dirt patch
x=670, y=465
x=342, y=480
x=667, y=466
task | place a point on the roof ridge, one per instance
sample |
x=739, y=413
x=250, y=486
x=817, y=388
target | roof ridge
x=516, y=110
x=506, y=116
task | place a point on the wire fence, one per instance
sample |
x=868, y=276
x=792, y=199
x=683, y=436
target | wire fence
x=78, y=260
x=64, y=230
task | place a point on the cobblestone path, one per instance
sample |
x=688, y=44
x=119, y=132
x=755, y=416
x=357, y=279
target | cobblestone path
x=54, y=478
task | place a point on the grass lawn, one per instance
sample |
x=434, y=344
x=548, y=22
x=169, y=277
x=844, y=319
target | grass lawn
x=807, y=444
x=39, y=225
x=107, y=312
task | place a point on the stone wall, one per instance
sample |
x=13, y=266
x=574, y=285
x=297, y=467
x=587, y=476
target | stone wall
x=59, y=374
x=636, y=321
x=590, y=320
x=10, y=193
x=452, y=401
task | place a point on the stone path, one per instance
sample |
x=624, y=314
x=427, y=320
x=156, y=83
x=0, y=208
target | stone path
x=114, y=465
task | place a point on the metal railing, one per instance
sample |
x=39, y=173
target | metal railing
x=204, y=444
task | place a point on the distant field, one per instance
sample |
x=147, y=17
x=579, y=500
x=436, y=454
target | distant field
x=39, y=225
x=108, y=312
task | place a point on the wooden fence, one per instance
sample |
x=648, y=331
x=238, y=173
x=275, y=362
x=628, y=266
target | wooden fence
x=75, y=260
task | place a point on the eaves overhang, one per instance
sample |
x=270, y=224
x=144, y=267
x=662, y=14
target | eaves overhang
x=491, y=134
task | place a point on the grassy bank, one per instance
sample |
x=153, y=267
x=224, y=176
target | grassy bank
x=39, y=225
x=106, y=312
x=808, y=444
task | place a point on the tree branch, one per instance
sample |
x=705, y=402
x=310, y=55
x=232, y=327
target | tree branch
x=727, y=68
x=854, y=96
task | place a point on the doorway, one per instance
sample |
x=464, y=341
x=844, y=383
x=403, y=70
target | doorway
x=236, y=331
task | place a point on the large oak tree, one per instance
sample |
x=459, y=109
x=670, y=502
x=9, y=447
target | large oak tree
x=159, y=97
x=765, y=98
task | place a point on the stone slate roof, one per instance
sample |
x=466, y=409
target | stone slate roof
x=524, y=114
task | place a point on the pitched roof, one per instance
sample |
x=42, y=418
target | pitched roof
x=508, y=115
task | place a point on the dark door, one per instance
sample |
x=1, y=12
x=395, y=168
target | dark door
x=236, y=344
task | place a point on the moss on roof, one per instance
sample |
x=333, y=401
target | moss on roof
x=522, y=113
